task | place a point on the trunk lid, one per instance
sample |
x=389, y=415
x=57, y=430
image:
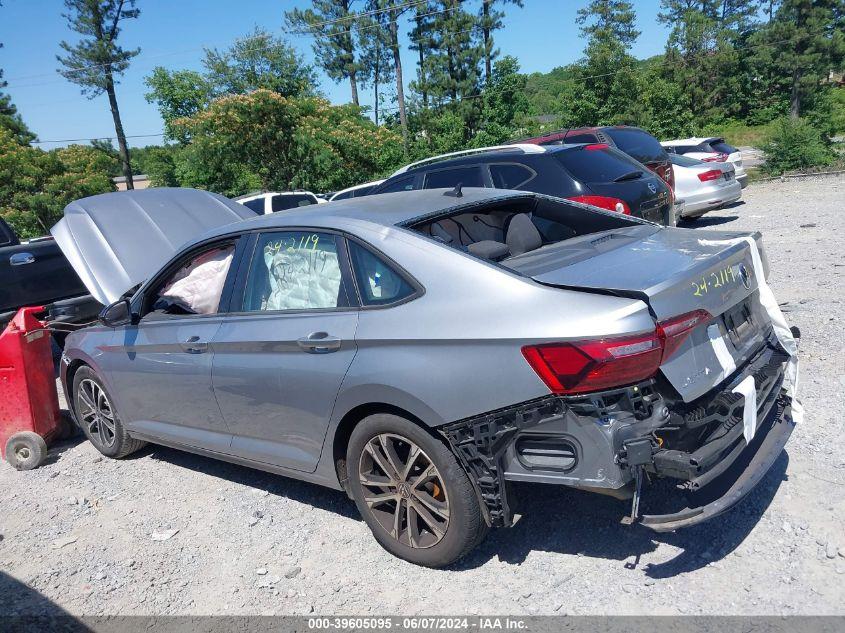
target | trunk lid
x=674, y=273
x=647, y=196
x=114, y=241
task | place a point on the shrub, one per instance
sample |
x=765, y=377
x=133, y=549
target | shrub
x=794, y=144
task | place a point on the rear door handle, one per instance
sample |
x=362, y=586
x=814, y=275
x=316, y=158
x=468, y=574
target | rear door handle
x=19, y=259
x=194, y=345
x=319, y=343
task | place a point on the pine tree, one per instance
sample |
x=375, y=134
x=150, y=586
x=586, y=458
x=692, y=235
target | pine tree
x=422, y=41
x=491, y=19
x=375, y=56
x=331, y=23
x=607, y=73
x=96, y=59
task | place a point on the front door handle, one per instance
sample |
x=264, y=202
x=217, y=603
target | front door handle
x=319, y=343
x=19, y=259
x=194, y=345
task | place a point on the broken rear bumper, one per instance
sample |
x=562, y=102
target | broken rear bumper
x=741, y=476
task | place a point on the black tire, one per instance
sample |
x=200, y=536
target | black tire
x=111, y=441
x=25, y=450
x=464, y=523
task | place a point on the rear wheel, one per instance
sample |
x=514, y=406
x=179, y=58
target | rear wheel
x=412, y=492
x=98, y=418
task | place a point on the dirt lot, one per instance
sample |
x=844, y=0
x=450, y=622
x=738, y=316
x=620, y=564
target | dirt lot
x=91, y=534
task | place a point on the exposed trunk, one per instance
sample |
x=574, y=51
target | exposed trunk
x=122, y=148
x=400, y=87
x=795, y=96
x=485, y=9
x=353, y=83
x=423, y=86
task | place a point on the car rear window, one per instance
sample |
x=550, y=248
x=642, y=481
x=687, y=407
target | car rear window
x=641, y=145
x=684, y=161
x=721, y=146
x=291, y=201
x=597, y=165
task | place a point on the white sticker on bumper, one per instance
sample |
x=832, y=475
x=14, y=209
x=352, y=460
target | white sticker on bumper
x=748, y=390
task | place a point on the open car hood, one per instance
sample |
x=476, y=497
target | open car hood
x=115, y=241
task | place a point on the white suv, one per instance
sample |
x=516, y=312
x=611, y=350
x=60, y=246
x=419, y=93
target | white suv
x=712, y=149
x=272, y=201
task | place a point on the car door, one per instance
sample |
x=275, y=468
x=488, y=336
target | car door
x=161, y=366
x=280, y=357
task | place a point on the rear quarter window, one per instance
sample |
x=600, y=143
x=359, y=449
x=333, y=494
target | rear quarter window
x=256, y=205
x=597, y=165
x=511, y=175
x=641, y=145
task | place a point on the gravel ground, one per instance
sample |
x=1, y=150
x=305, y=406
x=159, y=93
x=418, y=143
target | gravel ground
x=165, y=532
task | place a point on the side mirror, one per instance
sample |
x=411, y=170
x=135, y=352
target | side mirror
x=117, y=314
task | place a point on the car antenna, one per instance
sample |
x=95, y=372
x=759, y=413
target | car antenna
x=456, y=192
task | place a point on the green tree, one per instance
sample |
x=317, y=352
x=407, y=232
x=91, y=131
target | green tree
x=259, y=60
x=96, y=59
x=331, y=23
x=607, y=73
x=799, y=48
x=177, y=94
x=506, y=108
x=375, y=57
x=490, y=19
x=267, y=141
x=794, y=144
x=35, y=185
x=422, y=41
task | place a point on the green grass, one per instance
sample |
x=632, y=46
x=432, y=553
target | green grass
x=739, y=134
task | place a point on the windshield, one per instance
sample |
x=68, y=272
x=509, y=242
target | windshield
x=641, y=145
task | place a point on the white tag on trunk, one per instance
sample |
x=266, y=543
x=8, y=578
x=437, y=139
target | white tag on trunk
x=748, y=390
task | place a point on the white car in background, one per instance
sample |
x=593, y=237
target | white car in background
x=356, y=192
x=702, y=186
x=711, y=149
x=272, y=201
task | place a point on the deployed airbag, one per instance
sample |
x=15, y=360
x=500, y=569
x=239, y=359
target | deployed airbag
x=302, y=278
x=197, y=286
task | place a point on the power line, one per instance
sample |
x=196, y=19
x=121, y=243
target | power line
x=311, y=31
x=96, y=138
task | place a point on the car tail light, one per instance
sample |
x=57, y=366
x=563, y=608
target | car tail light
x=581, y=366
x=713, y=174
x=596, y=146
x=718, y=158
x=592, y=365
x=673, y=332
x=604, y=202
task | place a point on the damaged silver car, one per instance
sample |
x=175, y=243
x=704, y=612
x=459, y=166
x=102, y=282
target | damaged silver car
x=421, y=350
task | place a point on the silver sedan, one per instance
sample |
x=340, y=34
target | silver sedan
x=421, y=350
x=703, y=186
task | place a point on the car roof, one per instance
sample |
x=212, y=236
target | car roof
x=696, y=140
x=484, y=157
x=264, y=194
x=386, y=209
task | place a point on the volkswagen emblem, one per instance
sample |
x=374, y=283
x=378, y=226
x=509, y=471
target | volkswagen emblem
x=652, y=187
x=745, y=276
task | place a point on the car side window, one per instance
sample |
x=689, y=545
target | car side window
x=295, y=270
x=291, y=201
x=448, y=178
x=378, y=283
x=400, y=184
x=197, y=286
x=510, y=175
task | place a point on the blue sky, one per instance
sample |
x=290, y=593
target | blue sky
x=172, y=33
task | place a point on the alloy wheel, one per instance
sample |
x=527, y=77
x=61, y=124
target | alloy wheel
x=97, y=414
x=404, y=490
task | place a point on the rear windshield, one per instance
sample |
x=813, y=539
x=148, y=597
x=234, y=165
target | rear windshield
x=291, y=201
x=721, y=146
x=597, y=165
x=684, y=161
x=641, y=145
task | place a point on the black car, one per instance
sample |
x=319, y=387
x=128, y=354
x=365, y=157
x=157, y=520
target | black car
x=595, y=174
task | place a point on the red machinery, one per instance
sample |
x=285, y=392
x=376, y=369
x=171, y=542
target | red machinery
x=29, y=404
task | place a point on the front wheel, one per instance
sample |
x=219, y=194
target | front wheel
x=98, y=418
x=412, y=492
